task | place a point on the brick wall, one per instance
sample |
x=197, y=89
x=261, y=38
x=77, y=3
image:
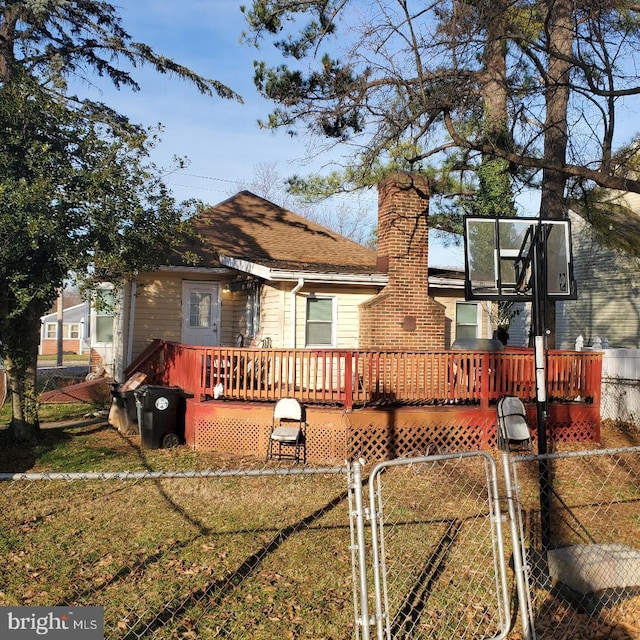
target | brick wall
x=403, y=315
x=95, y=360
x=50, y=346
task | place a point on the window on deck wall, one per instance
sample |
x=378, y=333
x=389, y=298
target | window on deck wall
x=320, y=322
x=467, y=324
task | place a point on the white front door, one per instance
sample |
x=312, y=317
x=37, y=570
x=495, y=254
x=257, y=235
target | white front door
x=200, y=313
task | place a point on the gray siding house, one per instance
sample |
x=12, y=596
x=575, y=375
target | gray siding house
x=608, y=304
x=608, y=284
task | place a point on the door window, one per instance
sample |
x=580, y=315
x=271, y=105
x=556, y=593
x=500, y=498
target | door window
x=200, y=309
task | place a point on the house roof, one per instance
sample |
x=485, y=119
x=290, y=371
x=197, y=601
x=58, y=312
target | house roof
x=250, y=233
x=76, y=313
x=440, y=277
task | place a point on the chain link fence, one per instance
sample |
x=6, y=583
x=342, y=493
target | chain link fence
x=583, y=559
x=419, y=547
x=437, y=532
x=437, y=550
x=228, y=554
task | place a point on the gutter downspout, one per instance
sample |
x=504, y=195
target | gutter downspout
x=294, y=291
x=132, y=310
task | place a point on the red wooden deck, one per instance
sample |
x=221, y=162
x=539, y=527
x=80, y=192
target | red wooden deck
x=373, y=405
x=352, y=379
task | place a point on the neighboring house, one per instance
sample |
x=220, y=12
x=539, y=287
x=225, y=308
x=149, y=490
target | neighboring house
x=74, y=323
x=608, y=282
x=520, y=325
x=608, y=286
x=267, y=276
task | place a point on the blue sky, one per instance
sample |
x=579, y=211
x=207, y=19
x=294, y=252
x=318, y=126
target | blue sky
x=221, y=138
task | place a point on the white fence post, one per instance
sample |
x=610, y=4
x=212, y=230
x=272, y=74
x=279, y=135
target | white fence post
x=361, y=593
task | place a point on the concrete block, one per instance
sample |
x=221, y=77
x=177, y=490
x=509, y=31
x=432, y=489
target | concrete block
x=595, y=567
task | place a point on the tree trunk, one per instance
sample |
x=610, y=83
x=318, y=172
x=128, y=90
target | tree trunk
x=494, y=74
x=559, y=47
x=21, y=382
x=495, y=188
x=559, y=27
x=20, y=339
x=8, y=19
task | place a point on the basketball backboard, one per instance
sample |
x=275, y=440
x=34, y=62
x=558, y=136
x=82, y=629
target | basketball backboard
x=499, y=258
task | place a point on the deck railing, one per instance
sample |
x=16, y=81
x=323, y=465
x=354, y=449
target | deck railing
x=359, y=378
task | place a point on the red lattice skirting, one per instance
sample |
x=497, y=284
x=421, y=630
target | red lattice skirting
x=333, y=435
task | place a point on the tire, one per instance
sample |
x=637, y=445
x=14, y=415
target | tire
x=170, y=440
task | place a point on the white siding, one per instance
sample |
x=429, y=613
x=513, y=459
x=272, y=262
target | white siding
x=608, y=303
x=348, y=301
x=158, y=310
x=232, y=316
x=449, y=301
x=520, y=325
x=273, y=323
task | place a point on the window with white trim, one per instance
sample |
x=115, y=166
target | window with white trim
x=105, y=306
x=73, y=331
x=467, y=322
x=320, y=319
x=51, y=330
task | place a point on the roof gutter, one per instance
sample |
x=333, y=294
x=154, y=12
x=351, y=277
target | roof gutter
x=294, y=291
x=377, y=279
x=193, y=269
x=451, y=283
x=266, y=273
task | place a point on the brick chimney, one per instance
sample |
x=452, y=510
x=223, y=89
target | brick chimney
x=402, y=315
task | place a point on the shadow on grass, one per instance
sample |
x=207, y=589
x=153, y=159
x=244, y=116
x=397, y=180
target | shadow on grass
x=214, y=592
x=22, y=457
x=416, y=600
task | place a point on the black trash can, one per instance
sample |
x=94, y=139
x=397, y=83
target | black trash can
x=160, y=415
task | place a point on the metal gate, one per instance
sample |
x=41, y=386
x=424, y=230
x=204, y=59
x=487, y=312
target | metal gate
x=431, y=563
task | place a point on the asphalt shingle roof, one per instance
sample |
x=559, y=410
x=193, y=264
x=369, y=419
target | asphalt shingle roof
x=251, y=228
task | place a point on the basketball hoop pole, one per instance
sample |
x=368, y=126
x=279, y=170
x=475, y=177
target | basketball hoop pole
x=524, y=260
x=539, y=325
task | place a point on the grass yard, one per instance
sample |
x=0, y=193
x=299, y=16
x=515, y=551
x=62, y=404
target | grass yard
x=250, y=557
x=247, y=557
